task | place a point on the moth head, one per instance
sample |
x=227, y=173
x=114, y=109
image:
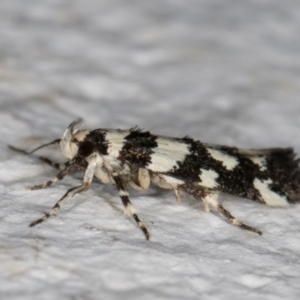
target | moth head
x=72, y=139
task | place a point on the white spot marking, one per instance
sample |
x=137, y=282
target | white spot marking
x=81, y=134
x=236, y=222
x=260, y=161
x=230, y=162
x=270, y=197
x=123, y=193
x=208, y=178
x=166, y=154
x=129, y=210
x=116, y=141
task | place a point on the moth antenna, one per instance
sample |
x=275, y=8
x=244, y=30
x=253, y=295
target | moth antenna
x=57, y=141
x=38, y=148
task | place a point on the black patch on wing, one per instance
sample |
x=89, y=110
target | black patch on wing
x=284, y=171
x=239, y=181
x=281, y=168
x=97, y=137
x=138, y=147
x=189, y=169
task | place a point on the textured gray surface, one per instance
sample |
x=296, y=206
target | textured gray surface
x=220, y=71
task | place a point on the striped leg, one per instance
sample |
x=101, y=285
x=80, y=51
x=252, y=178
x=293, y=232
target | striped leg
x=209, y=198
x=233, y=220
x=70, y=193
x=88, y=177
x=60, y=166
x=53, y=164
x=68, y=167
x=205, y=203
x=78, y=163
x=129, y=208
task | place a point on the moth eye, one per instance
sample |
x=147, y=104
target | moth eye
x=85, y=149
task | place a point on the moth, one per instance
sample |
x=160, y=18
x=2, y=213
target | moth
x=137, y=158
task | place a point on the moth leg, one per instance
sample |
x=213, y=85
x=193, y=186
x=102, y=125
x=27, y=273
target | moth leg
x=177, y=194
x=129, y=208
x=88, y=177
x=140, y=179
x=233, y=220
x=58, y=166
x=59, y=176
x=167, y=182
x=205, y=204
x=143, y=178
x=67, y=168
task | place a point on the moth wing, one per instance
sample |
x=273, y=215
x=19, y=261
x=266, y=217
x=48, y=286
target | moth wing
x=167, y=154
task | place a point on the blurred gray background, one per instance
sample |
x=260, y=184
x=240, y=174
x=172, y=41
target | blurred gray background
x=224, y=72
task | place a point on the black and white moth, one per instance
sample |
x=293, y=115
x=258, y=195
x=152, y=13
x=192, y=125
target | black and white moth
x=136, y=158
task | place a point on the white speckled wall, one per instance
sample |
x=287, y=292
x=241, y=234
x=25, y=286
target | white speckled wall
x=221, y=71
